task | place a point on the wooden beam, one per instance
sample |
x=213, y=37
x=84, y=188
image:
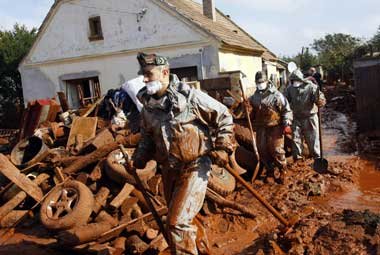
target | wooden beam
x=23, y=182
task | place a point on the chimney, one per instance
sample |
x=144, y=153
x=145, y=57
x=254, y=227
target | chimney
x=209, y=9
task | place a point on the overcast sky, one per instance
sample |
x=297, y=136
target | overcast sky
x=284, y=26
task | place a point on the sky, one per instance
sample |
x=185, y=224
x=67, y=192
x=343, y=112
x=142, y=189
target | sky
x=283, y=26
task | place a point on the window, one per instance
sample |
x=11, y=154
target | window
x=82, y=92
x=95, y=29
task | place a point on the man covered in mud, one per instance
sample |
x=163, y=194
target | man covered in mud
x=305, y=98
x=271, y=118
x=181, y=127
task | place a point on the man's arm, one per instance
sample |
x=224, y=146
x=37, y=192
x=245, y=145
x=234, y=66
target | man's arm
x=284, y=110
x=216, y=115
x=146, y=147
x=319, y=97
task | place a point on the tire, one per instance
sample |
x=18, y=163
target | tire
x=78, y=197
x=221, y=181
x=116, y=171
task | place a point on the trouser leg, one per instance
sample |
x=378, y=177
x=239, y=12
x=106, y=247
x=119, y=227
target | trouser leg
x=297, y=139
x=311, y=132
x=185, y=202
x=275, y=143
x=262, y=147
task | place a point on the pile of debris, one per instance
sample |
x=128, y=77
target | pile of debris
x=70, y=176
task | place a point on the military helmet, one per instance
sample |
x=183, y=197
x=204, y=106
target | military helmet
x=260, y=77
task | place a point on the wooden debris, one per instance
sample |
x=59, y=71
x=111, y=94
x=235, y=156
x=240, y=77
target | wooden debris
x=122, y=196
x=101, y=199
x=23, y=182
x=83, y=126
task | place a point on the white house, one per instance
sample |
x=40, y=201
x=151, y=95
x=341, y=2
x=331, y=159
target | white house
x=86, y=47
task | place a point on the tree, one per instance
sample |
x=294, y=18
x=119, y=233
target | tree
x=14, y=45
x=375, y=41
x=304, y=59
x=336, y=53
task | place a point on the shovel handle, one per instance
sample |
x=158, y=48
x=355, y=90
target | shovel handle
x=320, y=131
x=146, y=196
x=262, y=200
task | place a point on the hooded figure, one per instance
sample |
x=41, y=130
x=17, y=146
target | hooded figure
x=181, y=128
x=271, y=118
x=305, y=98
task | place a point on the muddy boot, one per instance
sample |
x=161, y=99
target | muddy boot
x=269, y=177
x=279, y=176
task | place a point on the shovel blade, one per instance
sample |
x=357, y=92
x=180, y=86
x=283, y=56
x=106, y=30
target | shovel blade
x=321, y=165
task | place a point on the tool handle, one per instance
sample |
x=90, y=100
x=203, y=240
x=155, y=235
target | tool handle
x=146, y=195
x=320, y=131
x=262, y=200
x=254, y=145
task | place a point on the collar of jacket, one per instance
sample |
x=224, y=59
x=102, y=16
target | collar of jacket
x=270, y=90
x=179, y=95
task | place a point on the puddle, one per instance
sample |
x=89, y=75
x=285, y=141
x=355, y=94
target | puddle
x=338, y=147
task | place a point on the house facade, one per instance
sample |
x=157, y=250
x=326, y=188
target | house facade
x=84, y=48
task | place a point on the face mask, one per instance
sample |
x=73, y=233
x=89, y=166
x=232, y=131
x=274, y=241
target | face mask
x=262, y=86
x=296, y=84
x=153, y=87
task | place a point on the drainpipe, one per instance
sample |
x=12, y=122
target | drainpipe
x=202, y=66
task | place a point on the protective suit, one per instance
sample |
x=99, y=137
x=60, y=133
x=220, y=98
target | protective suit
x=305, y=98
x=270, y=115
x=179, y=130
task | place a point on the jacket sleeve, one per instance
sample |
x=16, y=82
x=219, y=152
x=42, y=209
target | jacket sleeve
x=319, y=98
x=146, y=146
x=284, y=110
x=217, y=116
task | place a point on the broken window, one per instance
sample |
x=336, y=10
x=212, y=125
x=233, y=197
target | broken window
x=186, y=73
x=82, y=92
x=95, y=29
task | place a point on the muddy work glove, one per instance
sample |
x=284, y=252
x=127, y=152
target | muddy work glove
x=287, y=130
x=220, y=157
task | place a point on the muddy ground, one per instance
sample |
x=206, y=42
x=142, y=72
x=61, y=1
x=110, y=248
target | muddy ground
x=339, y=211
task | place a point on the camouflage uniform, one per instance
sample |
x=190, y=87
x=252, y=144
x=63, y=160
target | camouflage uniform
x=304, y=101
x=270, y=114
x=178, y=131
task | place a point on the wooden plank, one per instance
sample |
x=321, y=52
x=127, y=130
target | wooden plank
x=23, y=182
x=122, y=196
x=84, y=126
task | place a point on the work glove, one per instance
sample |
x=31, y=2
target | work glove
x=139, y=163
x=220, y=157
x=287, y=130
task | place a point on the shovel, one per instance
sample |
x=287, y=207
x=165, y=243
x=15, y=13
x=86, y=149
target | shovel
x=287, y=223
x=146, y=195
x=320, y=164
x=253, y=139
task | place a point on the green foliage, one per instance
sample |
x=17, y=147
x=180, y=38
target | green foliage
x=375, y=41
x=303, y=60
x=336, y=53
x=14, y=45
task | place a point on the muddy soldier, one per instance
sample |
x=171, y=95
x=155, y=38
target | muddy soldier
x=271, y=118
x=181, y=127
x=304, y=97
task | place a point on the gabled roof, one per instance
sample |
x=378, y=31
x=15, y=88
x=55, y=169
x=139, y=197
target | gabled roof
x=224, y=29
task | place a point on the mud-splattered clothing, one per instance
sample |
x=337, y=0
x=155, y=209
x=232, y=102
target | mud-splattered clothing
x=178, y=131
x=270, y=113
x=304, y=101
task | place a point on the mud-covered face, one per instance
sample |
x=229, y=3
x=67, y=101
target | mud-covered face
x=156, y=79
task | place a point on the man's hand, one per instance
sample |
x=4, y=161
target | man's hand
x=220, y=157
x=287, y=130
x=139, y=163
